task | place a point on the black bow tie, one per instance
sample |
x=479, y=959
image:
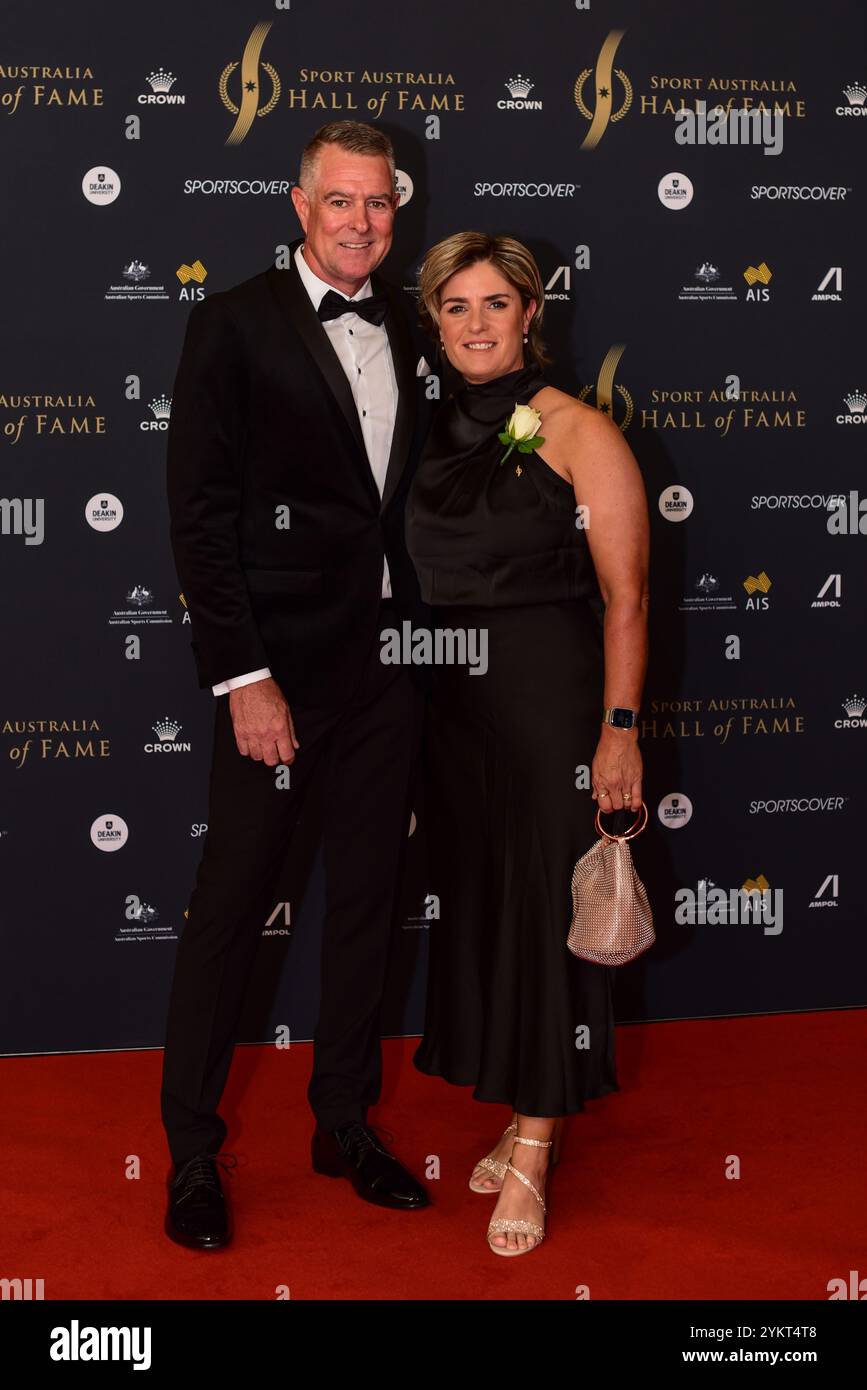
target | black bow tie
x=332, y=305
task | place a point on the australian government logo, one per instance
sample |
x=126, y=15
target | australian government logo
x=252, y=88
x=135, y=283
x=707, y=285
x=143, y=922
x=708, y=595
x=140, y=609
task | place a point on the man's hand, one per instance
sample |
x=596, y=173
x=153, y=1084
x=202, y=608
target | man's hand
x=262, y=722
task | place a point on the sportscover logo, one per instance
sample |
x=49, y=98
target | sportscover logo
x=525, y=190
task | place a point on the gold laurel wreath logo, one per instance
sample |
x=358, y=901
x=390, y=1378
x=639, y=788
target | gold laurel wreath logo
x=606, y=386
x=582, y=105
x=262, y=110
x=607, y=407
x=603, y=83
x=250, y=65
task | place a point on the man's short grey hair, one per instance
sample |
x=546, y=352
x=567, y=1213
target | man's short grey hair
x=353, y=136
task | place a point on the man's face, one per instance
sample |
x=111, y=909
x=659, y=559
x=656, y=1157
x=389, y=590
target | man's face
x=349, y=218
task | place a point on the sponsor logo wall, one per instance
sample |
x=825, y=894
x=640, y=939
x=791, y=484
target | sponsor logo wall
x=696, y=203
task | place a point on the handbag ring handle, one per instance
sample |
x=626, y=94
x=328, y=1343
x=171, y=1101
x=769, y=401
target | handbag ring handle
x=633, y=830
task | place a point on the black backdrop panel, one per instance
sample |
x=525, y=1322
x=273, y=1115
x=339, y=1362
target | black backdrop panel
x=711, y=296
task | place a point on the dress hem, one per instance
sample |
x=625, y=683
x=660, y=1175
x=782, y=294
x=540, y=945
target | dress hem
x=606, y=1090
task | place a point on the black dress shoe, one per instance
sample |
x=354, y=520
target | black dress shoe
x=198, y=1213
x=353, y=1151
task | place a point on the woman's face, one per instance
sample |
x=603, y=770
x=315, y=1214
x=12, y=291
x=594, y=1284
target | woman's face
x=483, y=322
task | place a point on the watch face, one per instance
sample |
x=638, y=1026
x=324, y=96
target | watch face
x=622, y=718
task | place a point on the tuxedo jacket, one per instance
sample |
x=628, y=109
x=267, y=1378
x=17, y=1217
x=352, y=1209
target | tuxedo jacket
x=277, y=526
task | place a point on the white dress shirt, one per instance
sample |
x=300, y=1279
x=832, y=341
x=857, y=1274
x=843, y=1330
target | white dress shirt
x=365, y=356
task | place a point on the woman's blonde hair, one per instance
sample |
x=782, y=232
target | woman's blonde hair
x=511, y=258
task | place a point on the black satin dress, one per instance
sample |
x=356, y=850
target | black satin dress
x=507, y=1002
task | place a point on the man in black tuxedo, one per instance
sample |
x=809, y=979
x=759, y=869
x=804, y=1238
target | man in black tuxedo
x=298, y=414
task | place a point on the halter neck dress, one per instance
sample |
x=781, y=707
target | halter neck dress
x=510, y=1010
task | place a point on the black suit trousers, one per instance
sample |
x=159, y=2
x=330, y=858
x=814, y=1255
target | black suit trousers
x=366, y=748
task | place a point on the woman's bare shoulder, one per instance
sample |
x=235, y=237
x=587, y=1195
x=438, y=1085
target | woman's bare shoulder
x=565, y=414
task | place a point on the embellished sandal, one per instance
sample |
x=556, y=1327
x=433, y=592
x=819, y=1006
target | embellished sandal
x=495, y=1166
x=504, y=1224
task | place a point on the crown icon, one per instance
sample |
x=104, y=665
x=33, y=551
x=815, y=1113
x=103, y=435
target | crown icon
x=519, y=86
x=760, y=583
x=856, y=401
x=855, y=705
x=160, y=81
x=166, y=729
x=196, y=271
x=761, y=273
x=161, y=407
x=855, y=94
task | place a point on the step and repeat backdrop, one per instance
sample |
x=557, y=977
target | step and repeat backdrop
x=692, y=182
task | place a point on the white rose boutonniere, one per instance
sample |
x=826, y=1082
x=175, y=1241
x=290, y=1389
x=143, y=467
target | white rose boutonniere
x=521, y=432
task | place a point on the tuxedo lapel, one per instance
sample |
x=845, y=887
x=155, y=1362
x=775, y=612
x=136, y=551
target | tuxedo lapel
x=295, y=304
x=296, y=307
x=400, y=343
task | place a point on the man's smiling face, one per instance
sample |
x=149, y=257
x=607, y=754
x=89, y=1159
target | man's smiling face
x=348, y=217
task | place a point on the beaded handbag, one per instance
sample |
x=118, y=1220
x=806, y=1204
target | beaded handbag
x=611, y=918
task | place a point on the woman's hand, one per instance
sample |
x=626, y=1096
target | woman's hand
x=617, y=768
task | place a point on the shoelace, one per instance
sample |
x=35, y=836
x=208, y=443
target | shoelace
x=367, y=1137
x=200, y=1171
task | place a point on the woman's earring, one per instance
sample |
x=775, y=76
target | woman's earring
x=525, y=338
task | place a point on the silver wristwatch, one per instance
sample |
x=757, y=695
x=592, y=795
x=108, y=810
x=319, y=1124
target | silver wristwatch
x=620, y=718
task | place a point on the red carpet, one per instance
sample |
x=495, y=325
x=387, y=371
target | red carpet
x=639, y=1207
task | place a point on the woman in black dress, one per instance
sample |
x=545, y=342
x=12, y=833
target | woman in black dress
x=540, y=559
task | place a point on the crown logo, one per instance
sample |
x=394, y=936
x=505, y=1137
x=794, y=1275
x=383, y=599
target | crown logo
x=754, y=274
x=519, y=87
x=161, y=407
x=196, y=271
x=857, y=402
x=855, y=94
x=166, y=729
x=161, y=81
x=855, y=706
x=754, y=584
